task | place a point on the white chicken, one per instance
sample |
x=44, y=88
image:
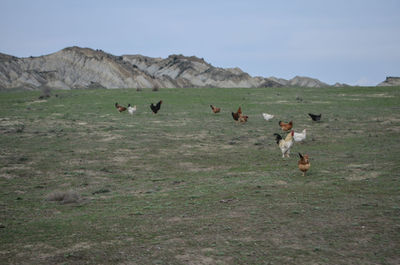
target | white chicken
x=285, y=144
x=267, y=116
x=131, y=110
x=298, y=137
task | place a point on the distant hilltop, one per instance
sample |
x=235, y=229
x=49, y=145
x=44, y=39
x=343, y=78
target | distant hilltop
x=80, y=68
x=390, y=81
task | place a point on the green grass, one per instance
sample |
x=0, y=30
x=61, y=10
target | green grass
x=187, y=186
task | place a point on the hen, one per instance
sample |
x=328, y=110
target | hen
x=131, y=110
x=237, y=114
x=243, y=118
x=156, y=108
x=286, y=126
x=215, y=109
x=315, y=117
x=298, y=137
x=304, y=163
x=267, y=116
x=119, y=107
x=285, y=144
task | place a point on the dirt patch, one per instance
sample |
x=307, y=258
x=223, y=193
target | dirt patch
x=380, y=95
x=358, y=165
x=196, y=259
x=361, y=172
x=280, y=182
x=359, y=176
x=321, y=102
x=8, y=122
x=107, y=137
x=191, y=167
x=36, y=102
x=8, y=176
x=76, y=247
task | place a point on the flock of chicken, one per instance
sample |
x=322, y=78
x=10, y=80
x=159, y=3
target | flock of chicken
x=285, y=144
x=291, y=137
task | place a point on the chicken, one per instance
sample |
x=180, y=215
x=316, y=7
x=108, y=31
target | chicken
x=286, y=126
x=119, y=107
x=243, y=118
x=237, y=114
x=131, y=110
x=315, y=117
x=285, y=144
x=298, y=137
x=267, y=116
x=215, y=109
x=156, y=108
x=304, y=163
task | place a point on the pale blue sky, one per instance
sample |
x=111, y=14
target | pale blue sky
x=347, y=41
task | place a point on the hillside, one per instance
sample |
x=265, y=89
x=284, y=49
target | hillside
x=79, y=68
x=390, y=81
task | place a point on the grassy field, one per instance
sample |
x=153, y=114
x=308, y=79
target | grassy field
x=81, y=183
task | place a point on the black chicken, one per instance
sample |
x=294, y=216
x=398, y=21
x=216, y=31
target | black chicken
x=315, y=117
x=156, y=108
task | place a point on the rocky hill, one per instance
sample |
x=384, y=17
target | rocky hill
x=78, y=68
x=390, y=81
x=300, y=81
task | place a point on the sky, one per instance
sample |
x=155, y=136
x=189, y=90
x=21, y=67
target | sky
x=347, y=41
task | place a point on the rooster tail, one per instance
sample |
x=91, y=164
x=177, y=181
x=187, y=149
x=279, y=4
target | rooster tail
x=301, y=157
x=280, y=123
x=278, y=137
x=212, y=107
x=116, y=104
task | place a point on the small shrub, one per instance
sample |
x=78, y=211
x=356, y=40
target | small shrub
x=100, y=191
x=46, y=93
x=64, y=196
x=20, y=128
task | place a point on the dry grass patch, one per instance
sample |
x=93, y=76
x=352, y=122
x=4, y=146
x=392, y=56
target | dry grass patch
x=64, y=197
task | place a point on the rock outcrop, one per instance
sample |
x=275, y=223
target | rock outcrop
x=390, y=81
x=300, y=81
x=79, y=68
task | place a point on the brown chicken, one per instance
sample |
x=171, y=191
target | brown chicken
x=237, y=114
x=119, y=107
x=243, y=118
x=304, y=163
x=215, y=109
x=286, y=126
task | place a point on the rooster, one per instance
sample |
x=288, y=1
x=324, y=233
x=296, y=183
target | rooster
x=131, y=110
x=215, y=109
x=267, y=116
x=237, y=114
x=304, y=163
x=298, y=137
x=156, y=108
x=286, y=126
x=119, y=107
x=315, y=117
x=285, y=144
